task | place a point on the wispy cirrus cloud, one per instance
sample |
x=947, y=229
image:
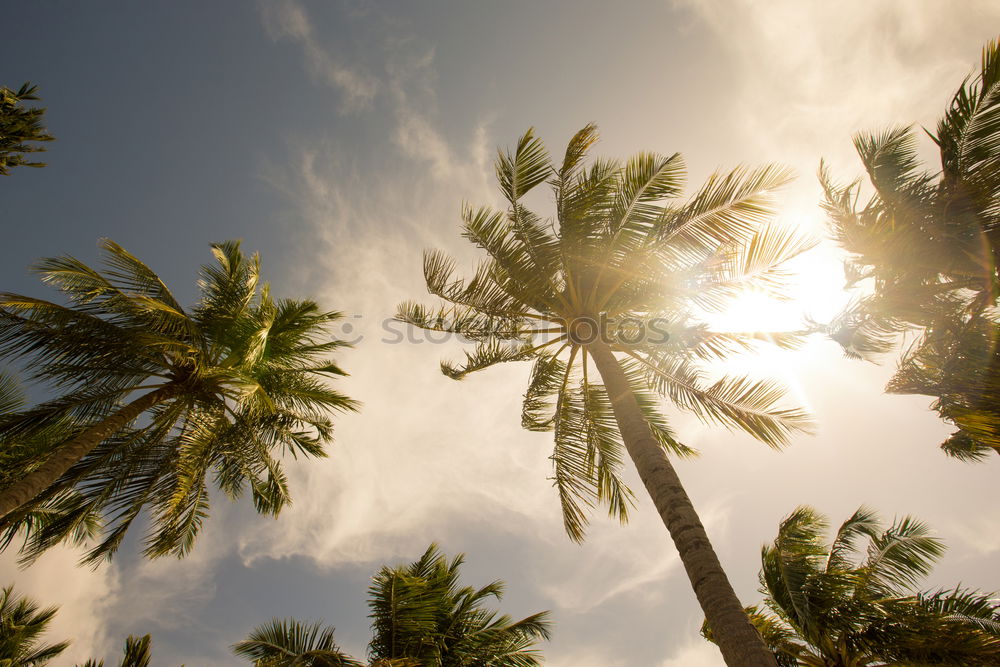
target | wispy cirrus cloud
x=395, y=481
x=286, y=19
x=366, y=227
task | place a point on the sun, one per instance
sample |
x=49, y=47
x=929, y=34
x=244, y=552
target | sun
x=815, y=293
x=814, y=286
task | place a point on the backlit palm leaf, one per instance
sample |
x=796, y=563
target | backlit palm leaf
x=928, y=246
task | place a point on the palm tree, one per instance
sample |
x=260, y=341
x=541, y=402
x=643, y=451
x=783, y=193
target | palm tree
x=20, y=128
x=421, y=617
x=138, y=653
x=288, y=643
x=155, y=397
x=930, y=246
x=618, y=279
x=836, y=605
x=23, y=453
x=21, y=624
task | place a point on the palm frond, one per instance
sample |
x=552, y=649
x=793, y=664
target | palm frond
x=899, y=558
x=727, y=209
x=492, y=353
x=864, y=523
x=521, y=171
x=22, y=622
x=754, y=265
x=735, y=402
x=288, y=643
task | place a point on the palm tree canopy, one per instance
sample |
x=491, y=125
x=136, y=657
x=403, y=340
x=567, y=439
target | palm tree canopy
x=288, y=643
x=421, y=617
x=238, y=381
x=852, y=601
x=21, y=624
x=929, y=245
x=138, y=653
x=21, y=129
x=624, y=261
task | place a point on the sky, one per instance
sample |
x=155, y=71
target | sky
x=339, y=139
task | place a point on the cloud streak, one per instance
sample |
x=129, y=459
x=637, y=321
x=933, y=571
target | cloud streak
x=286, y=19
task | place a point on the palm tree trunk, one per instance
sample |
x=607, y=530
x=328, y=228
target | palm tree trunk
x=738, y=640
x=68, y=454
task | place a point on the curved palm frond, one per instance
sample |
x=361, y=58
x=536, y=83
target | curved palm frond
x=288, y=643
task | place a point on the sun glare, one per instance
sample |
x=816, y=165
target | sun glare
x=815, y=292
x=815, y=288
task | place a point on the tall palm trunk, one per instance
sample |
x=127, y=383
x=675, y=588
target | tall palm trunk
x=738, y=640
x=68, y=454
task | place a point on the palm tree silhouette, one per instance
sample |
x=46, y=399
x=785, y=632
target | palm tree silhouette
x=929, y=244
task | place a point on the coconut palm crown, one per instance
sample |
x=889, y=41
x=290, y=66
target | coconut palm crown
x=851, y=601
x=617, y=282
x=421, y=617
x=289, y=643
x=928, y=244
x=152, y=399
x=138, y=652
x=21, y=625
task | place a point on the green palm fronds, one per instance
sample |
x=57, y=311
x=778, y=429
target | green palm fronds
x=421, y=617
x=21, y=625
x=852, y=601
x=620, y=252
x=232, y=385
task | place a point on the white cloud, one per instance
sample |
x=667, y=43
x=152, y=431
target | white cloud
x=287, y=19
x=85, y=598
x=696, y=653
x=410, y=465
x=806, y=76
x=411, y=83
x=181, y=587
x=633, y=564
x=979, y=533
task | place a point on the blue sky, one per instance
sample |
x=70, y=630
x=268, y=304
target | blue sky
x=339, y=139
